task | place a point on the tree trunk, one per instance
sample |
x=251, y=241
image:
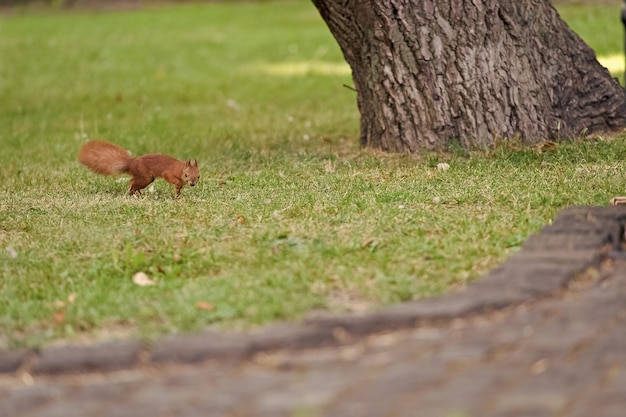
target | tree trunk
x=432, y=72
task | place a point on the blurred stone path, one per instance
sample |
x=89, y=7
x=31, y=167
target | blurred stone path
x=561, y=353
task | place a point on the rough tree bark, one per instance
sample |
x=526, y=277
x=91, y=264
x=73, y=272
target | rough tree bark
x=430, y=72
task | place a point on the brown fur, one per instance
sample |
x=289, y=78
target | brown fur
x=109, y=159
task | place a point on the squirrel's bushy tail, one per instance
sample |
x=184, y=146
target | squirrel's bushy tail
x=104, y=157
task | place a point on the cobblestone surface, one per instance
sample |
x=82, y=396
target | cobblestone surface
x=559, y=351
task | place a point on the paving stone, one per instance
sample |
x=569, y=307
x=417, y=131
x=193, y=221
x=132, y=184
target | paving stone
x=12, y=360
x=395, y=381
x=290, y=336
x=602, y=405
x=191, y=348
x=551, y=390
x=525, y=411
x=465, y=391
x=313, y=389
x=83, y=408
x=27, y=399
x=538, y=279
x=561, y=336
x=107, y=391
x=103, y=357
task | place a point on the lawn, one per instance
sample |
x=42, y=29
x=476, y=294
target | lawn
x=289, y=215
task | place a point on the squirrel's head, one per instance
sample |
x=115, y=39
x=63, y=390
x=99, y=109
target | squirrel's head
x=191, y=173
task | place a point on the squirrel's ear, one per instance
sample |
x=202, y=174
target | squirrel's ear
x=187, y=163
x=195, y=162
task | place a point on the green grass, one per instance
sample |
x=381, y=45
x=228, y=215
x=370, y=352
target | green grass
x=289, y=215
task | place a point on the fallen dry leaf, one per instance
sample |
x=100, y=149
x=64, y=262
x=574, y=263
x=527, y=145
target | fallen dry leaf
x=205, y=306
x=142, y=279
x=547, y=146
x=11, y=253
x=616, y=201
x=72, y=297
x=368, y=242
x=59, y=316
x=539, y=367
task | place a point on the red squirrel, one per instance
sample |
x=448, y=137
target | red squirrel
x=109, y=159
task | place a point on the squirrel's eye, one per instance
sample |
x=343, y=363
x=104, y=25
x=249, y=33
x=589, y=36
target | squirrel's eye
x=186, y=175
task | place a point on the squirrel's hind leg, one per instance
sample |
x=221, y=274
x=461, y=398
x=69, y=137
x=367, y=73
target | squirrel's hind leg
x=132, y=190
x=137, y=184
